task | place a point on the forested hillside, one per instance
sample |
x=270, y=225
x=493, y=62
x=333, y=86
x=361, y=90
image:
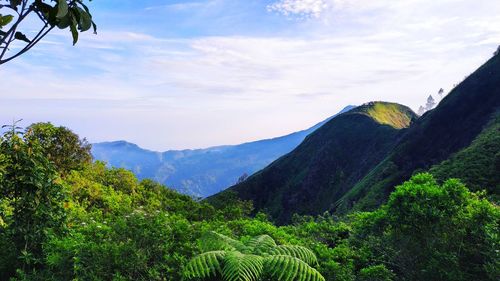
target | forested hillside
x=347, y=165
x=477, y=165
x=451, y=127
x=328, y=163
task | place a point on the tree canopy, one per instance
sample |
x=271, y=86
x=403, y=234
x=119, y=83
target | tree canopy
x=61, y=146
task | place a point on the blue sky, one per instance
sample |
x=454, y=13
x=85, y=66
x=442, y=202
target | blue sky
x=189, y=74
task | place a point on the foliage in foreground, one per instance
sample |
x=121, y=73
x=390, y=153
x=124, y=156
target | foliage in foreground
x=90, y=222
x=260, y=258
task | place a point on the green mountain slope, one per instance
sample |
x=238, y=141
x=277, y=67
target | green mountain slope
x=328, y=163
x=354, y=161
x=435, y=137
x=477, y=165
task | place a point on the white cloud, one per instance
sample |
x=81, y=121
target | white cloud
x=301, y=8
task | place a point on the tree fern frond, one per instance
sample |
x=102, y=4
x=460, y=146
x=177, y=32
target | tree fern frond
x=213, y=241
x=260, y=258
x=299, y=252
x=261, y=244
x=204, y=265
x=288, y=268
x=242, y=267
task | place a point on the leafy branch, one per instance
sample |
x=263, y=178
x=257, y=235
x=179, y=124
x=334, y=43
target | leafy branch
x=63, y=14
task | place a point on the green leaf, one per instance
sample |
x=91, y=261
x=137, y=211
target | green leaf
x=204, y=265
x=261, y=244
x=212, y=241
x=62, y=9
x=94, y=26
x=85, y=22
x=287, y=268
x=48, y=12
x=22, y=37
x=15, y=3
x=64, y=22
x=299, y=252
x=74, y=30
x=4, y=20
x=241, y=267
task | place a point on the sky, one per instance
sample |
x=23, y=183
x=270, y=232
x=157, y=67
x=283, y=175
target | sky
x=193, y=74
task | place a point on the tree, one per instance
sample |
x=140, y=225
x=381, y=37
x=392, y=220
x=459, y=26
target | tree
x=428, y=231
x=242, y=178
x=31, y=189
x=431, y=103
x=258, y=259
x=376, y=273
x=64, y=14
x=61, y=146
x=440, y=93
x=421, y=110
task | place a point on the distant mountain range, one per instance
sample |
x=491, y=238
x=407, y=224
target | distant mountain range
x=355, y=160
x=201, y=172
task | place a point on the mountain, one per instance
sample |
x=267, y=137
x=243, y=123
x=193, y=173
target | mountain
x=355, y=160
x=444, y=133
x=328, y=163
x=200, y=172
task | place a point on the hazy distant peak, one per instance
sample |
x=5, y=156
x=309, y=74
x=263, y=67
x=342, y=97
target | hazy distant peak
x=120, y=143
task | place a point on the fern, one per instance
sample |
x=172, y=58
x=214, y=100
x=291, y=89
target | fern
x=260, y=259
x=204, y=265
x=213, y=241
x=261, y=244
x=242, y=267
x=287, y=268
x=299, y=252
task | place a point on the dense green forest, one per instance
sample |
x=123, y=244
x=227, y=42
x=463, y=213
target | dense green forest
x=64, y=217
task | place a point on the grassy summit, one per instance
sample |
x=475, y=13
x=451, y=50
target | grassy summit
x=392, y=114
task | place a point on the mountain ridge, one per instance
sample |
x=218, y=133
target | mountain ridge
x=341, y=186
x=302, y=181
x=452, y=126
x=201, y=172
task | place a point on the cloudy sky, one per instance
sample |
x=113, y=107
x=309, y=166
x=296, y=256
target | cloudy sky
x=188, y=74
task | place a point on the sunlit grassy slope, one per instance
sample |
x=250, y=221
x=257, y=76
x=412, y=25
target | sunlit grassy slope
x=388, y=114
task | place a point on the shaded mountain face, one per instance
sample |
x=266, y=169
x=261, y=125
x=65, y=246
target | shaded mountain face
x=438, y=135
x=477, y=165
x=355, y=160
x=200, y=172
x=328, y=163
